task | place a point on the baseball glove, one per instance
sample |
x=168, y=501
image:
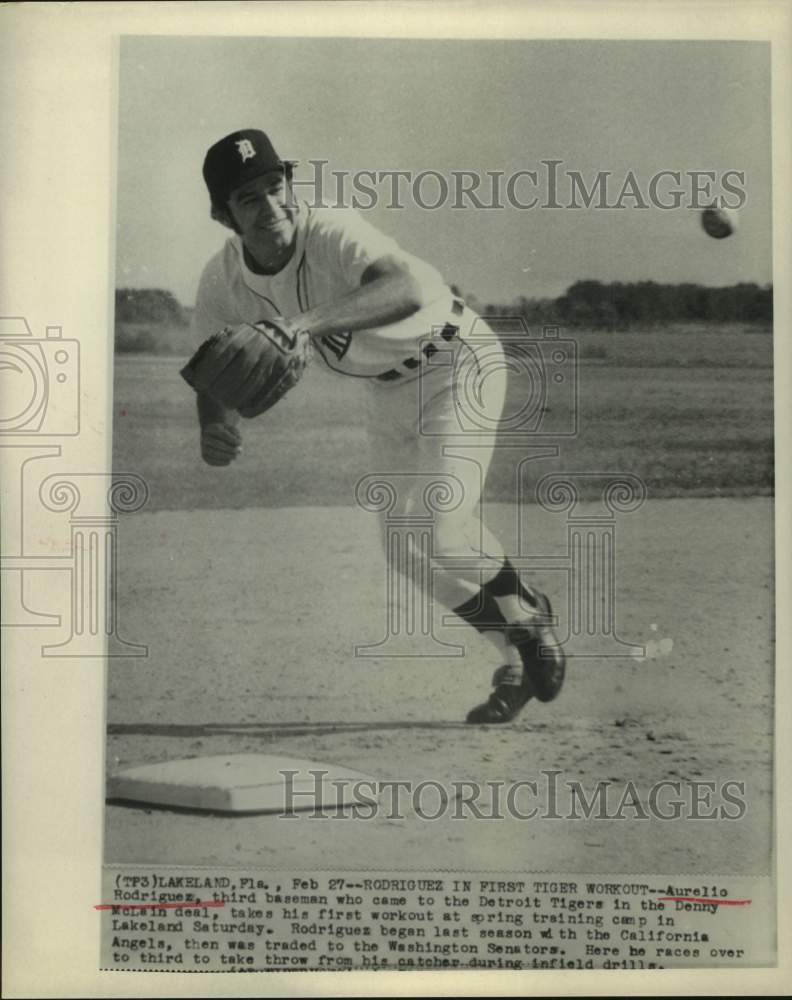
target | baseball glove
x=249, y=367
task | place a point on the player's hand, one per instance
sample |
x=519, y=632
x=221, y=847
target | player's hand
x=220, y=444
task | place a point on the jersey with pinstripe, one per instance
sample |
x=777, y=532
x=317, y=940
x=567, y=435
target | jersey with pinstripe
x=334, y=247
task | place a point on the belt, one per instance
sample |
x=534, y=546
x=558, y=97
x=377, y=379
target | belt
x=408, y=367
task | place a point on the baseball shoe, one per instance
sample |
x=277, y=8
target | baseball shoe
x=542, y=657
x=504, y=703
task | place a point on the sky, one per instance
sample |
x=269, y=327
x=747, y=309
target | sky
x=623, y=107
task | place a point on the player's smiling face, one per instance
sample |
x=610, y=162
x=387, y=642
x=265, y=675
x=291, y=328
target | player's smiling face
x=263, y=210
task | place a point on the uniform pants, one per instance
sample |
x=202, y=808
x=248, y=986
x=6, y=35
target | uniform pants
x=414, y=432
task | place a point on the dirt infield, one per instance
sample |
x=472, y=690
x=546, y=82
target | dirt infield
x=252, y=616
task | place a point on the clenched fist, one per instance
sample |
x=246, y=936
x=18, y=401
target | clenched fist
x=220, y=444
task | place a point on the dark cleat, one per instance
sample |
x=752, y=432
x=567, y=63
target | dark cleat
x=503, y=705
x=541, y=653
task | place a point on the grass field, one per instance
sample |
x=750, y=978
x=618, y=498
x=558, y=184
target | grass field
x=689, y=411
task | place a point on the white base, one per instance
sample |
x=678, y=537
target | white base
x=243, y=782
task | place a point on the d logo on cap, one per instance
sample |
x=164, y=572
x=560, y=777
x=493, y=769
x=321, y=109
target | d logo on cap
x=246, y=150
x=237, y=159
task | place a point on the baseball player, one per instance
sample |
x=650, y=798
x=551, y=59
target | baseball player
x=376, y=314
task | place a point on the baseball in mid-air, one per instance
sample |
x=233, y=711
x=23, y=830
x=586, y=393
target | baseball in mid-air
x=718, y=222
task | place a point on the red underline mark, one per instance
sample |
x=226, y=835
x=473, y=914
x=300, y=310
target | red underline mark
x=159, y=906
x=702, y=899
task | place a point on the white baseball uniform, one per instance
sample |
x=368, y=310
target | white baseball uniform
x=419, y=371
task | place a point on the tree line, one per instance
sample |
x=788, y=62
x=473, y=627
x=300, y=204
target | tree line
x=153, y=320
x=621, y=305
x=149, y=305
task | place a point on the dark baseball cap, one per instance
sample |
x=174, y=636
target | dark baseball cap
x=237, y=159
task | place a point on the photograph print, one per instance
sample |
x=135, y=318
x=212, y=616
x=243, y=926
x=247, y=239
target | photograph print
x=448, y=369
